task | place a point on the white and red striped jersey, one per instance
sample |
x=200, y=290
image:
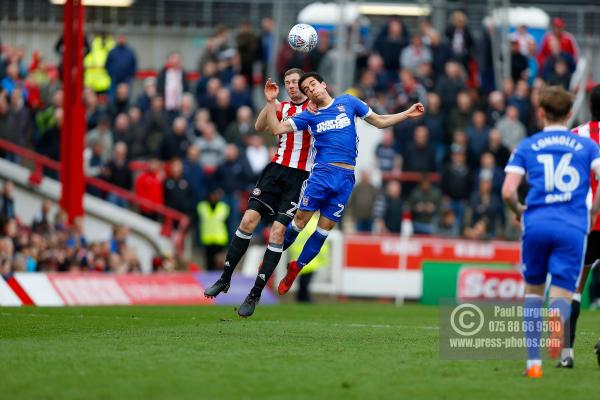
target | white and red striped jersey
x=591, y=130
x=294, y=147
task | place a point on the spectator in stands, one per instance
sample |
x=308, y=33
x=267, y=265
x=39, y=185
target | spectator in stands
x=223, y=111
x=20, y=120
x=566, y=41
x=450, y=84
x=511, y=129
x=5, y=120
x=122, y=131
x=41, y=223
x=121, y=64
x=192, y=172
x=389, y=43
x=188, y=109
x=13, y=80
x=521, y=100
x=257, y=155
x=218, y=47
x=242, y=128
x=265, y=48
x=120, y=103
x=95, y=75
x=103, y=135
x=557, y=56
x=93, y=163
x=495, y=147
x=213, y=214
x=385, y=155
x=233, y=176
x=461, y=116
x=486, y=57
x=486, y=209
x=118, y=173
x=489, y=168
x=523, y=39
x=315, y=57
x=424, y=203
x=408, y=91
x=8, y=201
x=495, y=107
x=456, y=183
x=419, y=155
x=156, y=126
x=208, y=98
x=478, y=134
x=448, y=225
x=172, y=83
x=149, y=186
x=136, y=134
x=247, y=47
x=144, y=100
x=177, y=191
x=361, y=202
x=212, y=148
x=415, y=54
x=49, y=143
x=93, y=110
x=518, y=62
x=561, y=75
x=176, y=143
x=240, y=93
x=460, y=37
x=436, y=124
x=389, y=209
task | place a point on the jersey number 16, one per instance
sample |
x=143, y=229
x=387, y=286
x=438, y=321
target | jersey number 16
x=565, y=177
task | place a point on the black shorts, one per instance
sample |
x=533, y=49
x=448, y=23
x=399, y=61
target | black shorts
x=592, y=252
x=277, y=192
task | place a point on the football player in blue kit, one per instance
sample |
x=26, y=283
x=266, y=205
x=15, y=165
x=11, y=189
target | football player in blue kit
x=333, y=128
x=555, y=217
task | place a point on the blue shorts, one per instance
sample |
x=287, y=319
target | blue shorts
x=327, y=189
x=557, y=250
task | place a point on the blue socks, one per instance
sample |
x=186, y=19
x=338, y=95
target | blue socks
x=563, y=306
x=291, y=233
x=312, y=247
x=532, y=317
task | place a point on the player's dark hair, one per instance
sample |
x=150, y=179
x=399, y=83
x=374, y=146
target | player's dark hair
x=556, y=102
x=307, y=75
x=595, y=103
x=293, y=71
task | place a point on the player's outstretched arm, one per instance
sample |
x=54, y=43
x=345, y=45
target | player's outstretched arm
x=261, y=124
x=275, y=126
x=509, y=193
x=387, y=120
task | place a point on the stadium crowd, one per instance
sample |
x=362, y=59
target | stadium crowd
x=199, y=143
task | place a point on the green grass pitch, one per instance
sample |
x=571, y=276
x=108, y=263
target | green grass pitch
x=342, y=351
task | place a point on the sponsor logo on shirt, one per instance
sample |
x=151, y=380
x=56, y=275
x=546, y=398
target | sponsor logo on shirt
x=340, y=122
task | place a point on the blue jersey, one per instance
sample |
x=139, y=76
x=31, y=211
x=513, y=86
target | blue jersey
x=558, y=165
x=333, y=128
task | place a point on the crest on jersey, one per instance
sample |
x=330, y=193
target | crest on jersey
x=256, y=192
x=341, y=108
x=305, y=201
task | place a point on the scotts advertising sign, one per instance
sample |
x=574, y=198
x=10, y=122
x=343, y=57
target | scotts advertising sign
x=486, y=284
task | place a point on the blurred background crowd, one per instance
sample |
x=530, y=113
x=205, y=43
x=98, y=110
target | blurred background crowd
x=181, y=137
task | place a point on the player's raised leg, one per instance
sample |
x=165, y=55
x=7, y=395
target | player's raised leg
x=237, y=248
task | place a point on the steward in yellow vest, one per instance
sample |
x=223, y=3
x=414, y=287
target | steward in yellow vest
x=95, y=75
x=212, y=215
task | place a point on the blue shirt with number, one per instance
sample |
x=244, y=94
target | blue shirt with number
x=334, y=129
x=557, y=164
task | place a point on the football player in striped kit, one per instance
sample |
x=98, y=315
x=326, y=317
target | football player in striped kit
x=590, y=129
x=276, y=195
